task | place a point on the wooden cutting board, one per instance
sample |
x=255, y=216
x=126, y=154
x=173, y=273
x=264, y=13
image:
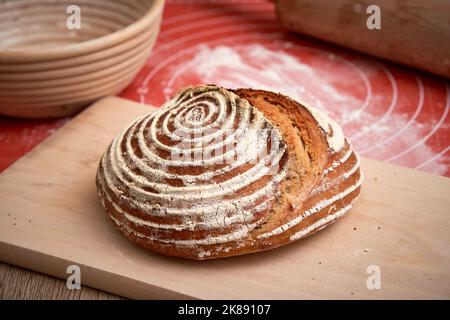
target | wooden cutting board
x=50, y=218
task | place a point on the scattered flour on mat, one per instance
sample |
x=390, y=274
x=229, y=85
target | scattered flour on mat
x=258, y=66
x=30, y=132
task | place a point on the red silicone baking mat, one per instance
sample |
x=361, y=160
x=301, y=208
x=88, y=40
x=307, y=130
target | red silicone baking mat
x=389, y=112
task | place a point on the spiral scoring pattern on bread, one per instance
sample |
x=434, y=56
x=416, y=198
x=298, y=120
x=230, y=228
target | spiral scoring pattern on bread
x=179, y=169
x=205, y=175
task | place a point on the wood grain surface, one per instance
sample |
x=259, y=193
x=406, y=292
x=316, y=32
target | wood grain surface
x=412, y=32
x=19, y=283
x=51, y=218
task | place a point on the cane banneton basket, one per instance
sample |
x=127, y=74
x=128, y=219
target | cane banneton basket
x=57, y=56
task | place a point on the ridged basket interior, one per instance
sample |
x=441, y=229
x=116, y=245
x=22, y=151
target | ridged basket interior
x=41, y=24
x=50, y=70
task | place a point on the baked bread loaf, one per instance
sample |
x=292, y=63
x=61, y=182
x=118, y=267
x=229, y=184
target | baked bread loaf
x=216, y=173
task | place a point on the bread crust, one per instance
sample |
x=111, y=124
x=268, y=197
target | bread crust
x=315, y=181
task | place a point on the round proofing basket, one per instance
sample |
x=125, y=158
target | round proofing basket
x=48, y=70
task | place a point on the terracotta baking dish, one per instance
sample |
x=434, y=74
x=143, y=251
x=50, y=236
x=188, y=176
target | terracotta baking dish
x=50, y=70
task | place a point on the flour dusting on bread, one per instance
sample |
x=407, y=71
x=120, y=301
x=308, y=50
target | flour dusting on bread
x=216, y=173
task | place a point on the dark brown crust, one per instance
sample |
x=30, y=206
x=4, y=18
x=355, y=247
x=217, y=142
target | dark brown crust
x=309, y=155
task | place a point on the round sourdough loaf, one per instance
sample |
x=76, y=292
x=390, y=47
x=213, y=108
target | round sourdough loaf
x=216, y=173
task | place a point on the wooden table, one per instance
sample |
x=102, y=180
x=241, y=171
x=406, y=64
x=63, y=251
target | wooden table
x=19, y=283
